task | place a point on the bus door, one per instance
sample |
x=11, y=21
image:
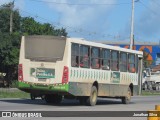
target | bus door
x=139, y=67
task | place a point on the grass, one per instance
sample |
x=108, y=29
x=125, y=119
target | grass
x=13, y=94
x=150, y=93
x=9, y=93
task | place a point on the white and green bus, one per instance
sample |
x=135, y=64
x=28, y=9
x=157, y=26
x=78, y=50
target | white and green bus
x=59, y=67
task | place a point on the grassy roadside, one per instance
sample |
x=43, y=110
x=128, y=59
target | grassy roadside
x=13, y=94
x=6, y=93
x=150, y=93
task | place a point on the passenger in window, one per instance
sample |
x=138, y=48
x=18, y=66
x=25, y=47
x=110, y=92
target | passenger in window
x=84, y=61
x=105, y=64
x=133, y=70
x=97, y=63
x=115, y=66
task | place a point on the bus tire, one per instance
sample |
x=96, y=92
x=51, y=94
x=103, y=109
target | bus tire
x=92, y=99
x=57, y=99
x=82, y=100
x=32, y=97
x=157, y=87
x=127, y=99
x=145, y=86
x=48, y=98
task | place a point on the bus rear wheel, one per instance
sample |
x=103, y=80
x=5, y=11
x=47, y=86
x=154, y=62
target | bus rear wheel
x=32, y=96
x=54, y=99
x=82, y=100
x=92, y=99
x=127, y=99
x=48, y=98
x=57, y=99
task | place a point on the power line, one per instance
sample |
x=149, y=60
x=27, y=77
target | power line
x=75, y=30
x=65, y=3
x=58, y=24
x=148, y=8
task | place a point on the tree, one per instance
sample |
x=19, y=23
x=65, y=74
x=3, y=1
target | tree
x=9, y=53
x=10, y=43
x=31, y=27
x=5, y=19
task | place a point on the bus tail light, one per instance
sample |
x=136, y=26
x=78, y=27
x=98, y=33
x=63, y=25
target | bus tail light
x=20, y=72
x=65, y=75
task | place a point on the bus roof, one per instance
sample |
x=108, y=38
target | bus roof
x=95, y=44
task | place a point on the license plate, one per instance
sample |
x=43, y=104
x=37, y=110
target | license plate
x=41, y=80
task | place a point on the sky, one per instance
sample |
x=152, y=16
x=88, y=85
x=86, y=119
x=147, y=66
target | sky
x=96, y=20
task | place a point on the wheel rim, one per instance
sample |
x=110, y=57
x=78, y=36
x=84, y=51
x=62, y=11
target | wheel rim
x=94, y=96
x=129, y=95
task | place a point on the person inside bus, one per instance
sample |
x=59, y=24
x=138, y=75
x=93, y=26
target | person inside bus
x=84, y=61
x=131, y=68
x=115, y=65
x=97, y=65
x=105, y=64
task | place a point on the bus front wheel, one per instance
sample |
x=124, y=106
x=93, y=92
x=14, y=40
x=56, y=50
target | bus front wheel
x=127, y=99
x=92, y=99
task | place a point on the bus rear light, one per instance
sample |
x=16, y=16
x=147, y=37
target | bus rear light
x=65, y=75
x=20, y=72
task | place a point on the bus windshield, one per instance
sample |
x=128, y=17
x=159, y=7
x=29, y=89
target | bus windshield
x=44, y=48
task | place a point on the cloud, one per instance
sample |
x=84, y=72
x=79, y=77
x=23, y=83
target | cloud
x=149, y=23
x=83, y=16
x=4, y=1
x=19, y=4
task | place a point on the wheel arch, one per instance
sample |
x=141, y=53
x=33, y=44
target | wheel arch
x=131, y=88
x=96, y=85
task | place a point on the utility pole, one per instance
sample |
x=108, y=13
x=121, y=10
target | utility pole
x=132, y=27
x=11, y=17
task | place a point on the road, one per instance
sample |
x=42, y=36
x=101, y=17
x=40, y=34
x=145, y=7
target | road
x=138, y=103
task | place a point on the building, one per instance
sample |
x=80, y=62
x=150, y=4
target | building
x=151, y=49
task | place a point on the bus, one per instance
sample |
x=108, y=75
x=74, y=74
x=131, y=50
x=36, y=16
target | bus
x=60, y=67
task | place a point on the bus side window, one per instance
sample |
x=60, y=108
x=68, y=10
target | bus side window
x=74, y=60
x=105, y=55
x=115, y=60
x=123, y=62
x=84, y=61
x=131, y=63
x=95, y=58
x=84, y=56
x=75, y=55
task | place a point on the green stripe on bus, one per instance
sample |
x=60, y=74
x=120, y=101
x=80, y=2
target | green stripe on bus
x=60, y=87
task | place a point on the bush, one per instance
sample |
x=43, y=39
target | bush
x=14, y=84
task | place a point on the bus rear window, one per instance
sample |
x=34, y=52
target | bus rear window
x=44, y=48
x=75, y=55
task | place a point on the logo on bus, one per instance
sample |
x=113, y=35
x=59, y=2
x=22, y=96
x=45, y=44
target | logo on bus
x=42, y=73
x=115, y=77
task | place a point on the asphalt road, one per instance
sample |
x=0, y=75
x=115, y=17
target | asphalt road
x=138, y=103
